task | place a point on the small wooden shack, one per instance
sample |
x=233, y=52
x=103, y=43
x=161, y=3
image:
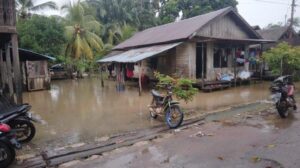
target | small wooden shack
x=10, y=75
x=35, y=71
x=199, y=48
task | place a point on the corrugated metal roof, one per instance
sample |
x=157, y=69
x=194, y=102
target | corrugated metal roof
x=28, y=54
x=273, y=33
x=172, y=31
x=179, y=31
x=135, y=55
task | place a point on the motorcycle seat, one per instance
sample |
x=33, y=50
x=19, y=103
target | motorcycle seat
x=13, y=110
x=156, y=94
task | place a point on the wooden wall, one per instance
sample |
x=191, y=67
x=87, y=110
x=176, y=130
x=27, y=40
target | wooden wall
x=10, y=75
x=37, y=75
x=166, y=63
x=7, y=16
x=225, y=27
x=186, y=59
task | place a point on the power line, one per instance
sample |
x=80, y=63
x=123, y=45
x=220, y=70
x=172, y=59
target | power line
x=268, y=2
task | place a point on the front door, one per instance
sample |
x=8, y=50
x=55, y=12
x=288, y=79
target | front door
x=201, y=60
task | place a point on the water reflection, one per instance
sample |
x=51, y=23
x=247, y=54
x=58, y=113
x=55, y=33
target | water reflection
x=78, y=110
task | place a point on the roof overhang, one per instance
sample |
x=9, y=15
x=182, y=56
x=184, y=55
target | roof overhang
x=139, y=54
x=251, y=41
x=28, y=55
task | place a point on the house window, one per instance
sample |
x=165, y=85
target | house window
x=221, y=57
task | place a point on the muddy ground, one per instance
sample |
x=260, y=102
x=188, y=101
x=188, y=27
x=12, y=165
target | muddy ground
x=256, y=138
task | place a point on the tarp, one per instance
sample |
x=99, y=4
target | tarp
x=135, y=55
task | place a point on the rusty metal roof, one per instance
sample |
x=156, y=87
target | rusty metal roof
x=135, y=55
x=170, y=32
x=273, y=33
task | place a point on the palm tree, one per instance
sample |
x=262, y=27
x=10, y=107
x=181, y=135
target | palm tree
x=26, y=7
x=81, y=33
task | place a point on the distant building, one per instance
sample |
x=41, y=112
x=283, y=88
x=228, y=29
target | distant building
x=34, y=70
x=279, y=34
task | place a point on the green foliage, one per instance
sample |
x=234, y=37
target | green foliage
x=190, y=8
x=285, y=55
x=182, y=87
x=42, y=34
x=169, y=12
x=81, y=32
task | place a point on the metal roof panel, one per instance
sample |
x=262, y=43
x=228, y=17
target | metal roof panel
x=135, y=55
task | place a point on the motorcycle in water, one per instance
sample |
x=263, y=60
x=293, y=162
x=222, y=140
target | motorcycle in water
x=165, y=106
x=8, y=144
x=19, y=119
x=282, y=90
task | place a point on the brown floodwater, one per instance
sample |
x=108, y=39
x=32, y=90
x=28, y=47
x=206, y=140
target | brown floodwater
x=81, y=110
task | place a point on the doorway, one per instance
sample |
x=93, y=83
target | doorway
x=201, y=58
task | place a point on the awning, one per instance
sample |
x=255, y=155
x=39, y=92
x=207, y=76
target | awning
x=27, y=55
x=135, y=55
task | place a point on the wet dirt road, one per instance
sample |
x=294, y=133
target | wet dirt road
x=81, y=110
x=255, y=139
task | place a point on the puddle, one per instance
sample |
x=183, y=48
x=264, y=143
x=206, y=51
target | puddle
x=81, y=110
x=229, y=114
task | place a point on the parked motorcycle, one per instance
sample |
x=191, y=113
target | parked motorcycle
x=282, y=90
x=165, y=106
x=8, y=144
x=20, y=120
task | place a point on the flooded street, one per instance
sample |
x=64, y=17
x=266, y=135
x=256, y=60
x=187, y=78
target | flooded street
x=81, y=110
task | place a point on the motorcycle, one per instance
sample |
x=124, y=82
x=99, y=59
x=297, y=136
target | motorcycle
x=20, y=120
x=282, y=95
x=8, y=144
x=165, y=106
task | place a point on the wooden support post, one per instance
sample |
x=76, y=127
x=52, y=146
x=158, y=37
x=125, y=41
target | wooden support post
x=202, y=62
x=262, y=64
x=234, y=59
x=16, y=67
x=1, y=70
x=9, y=71
x=101, y=76
x=140, y=78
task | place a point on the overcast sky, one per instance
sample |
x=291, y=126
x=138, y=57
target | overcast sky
x=255, y=12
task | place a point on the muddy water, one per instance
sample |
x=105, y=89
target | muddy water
x=81, y=110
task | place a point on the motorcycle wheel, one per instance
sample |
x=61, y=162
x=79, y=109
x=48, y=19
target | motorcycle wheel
x=282, y=109
x=174, y=116
x=7, y=155
x=25, y=130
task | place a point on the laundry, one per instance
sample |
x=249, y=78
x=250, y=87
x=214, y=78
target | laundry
x=244, y=75
x=240, y=60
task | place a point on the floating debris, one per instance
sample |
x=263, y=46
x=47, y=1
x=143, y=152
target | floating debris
x=271, y=146
x=220, y=158
x=255, y=159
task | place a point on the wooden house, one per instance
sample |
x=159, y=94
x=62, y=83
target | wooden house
x=279, y=34
x=198, y=48
x=35, y=70
x=10, y=76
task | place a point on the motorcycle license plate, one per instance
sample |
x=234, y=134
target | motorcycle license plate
x=276, y=97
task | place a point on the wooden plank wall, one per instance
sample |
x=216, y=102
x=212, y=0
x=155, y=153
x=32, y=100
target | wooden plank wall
x=37, y=75
x=186, y=59
x=167, y=62
x=7, y=13
x=226, y=27
x=8, y=85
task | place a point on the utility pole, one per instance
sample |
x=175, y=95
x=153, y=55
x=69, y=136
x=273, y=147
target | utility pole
x=292, y=18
